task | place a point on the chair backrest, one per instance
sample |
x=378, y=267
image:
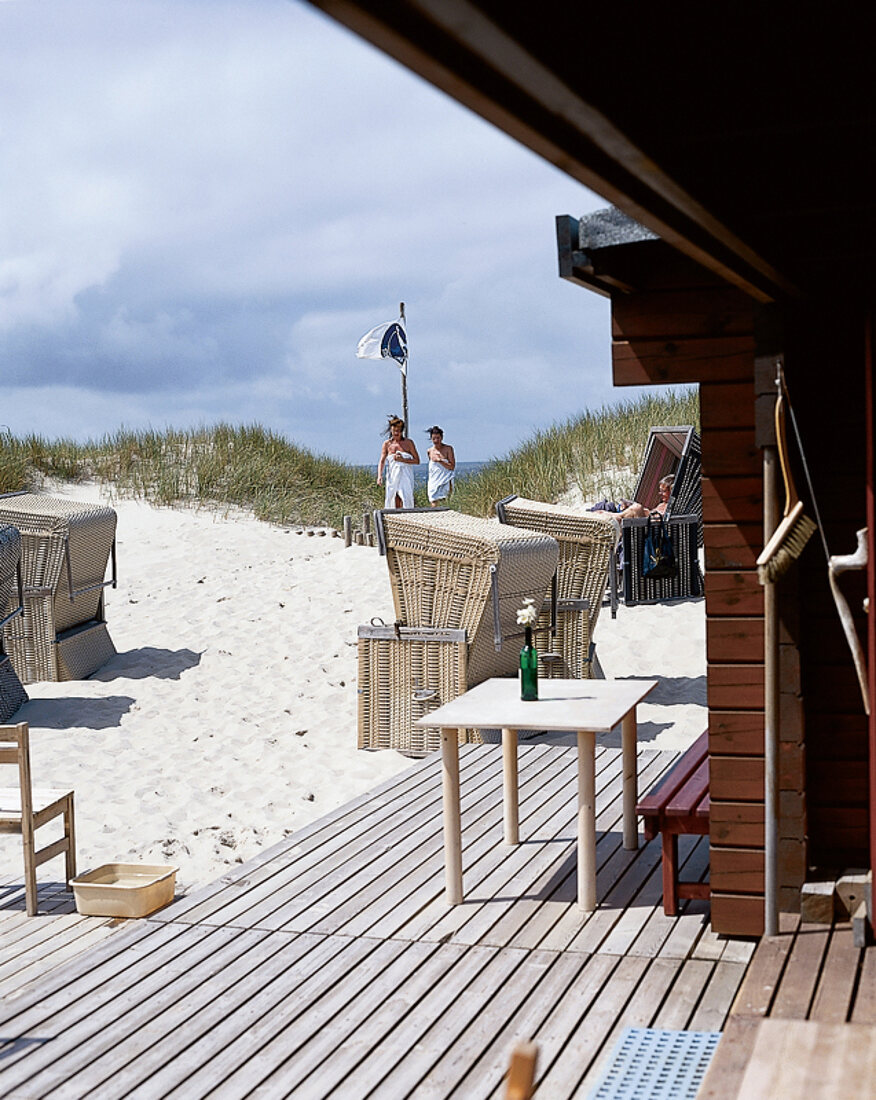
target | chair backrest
x=456, y=571
x=674, y=450
x=585, y=543
x=15, y=749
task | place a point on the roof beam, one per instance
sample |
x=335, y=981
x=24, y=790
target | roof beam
x=452, y=44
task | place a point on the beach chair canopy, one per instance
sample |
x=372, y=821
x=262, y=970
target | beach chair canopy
x=675, y=451
x=461, y=572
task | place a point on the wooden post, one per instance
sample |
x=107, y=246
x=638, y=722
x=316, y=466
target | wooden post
x=771, y=710
x=348, y=530
x=404, y=374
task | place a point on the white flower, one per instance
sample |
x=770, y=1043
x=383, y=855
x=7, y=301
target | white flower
x=528, y=614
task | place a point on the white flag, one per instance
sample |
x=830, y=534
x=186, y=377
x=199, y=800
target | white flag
x=386, y=341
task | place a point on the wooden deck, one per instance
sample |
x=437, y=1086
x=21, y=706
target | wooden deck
x=331, y=966
x=816, y=992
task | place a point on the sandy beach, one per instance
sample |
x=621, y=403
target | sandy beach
x=227, y=720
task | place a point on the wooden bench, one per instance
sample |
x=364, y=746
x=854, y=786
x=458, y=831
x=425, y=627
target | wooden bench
x=679, y=804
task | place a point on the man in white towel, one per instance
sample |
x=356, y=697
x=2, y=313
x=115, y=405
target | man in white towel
x=398, y=457
x=442, y=463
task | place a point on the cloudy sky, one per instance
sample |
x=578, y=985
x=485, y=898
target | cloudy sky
x=205, y=203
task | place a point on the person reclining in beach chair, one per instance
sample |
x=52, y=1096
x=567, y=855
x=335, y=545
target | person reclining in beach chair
x=634, y=510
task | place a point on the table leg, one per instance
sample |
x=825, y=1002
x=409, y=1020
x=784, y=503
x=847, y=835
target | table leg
x=628, y=750
x=452, y=819
x=586, y=821
x=509, y=786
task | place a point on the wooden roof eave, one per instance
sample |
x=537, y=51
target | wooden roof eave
x=456, y=47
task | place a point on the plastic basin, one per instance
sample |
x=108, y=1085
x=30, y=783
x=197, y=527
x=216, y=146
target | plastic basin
x=124, y=889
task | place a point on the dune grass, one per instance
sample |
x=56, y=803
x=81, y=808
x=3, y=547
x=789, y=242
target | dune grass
x=245, y=467
x=597, y=453
x=252, y=468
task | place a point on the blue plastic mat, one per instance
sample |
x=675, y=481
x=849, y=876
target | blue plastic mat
x=651, y=1064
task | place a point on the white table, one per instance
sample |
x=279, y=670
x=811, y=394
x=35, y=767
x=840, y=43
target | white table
x=585, y=707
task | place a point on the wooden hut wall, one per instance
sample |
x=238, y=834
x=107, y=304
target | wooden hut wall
x=826, y=382
x=705, y=333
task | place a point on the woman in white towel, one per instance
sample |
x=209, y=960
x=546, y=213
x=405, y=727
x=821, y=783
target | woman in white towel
x=398, y=457
x=442, y=463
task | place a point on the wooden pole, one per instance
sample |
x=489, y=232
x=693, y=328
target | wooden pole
x=771, y=709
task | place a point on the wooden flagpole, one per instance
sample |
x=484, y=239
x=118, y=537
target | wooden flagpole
x=404, y=373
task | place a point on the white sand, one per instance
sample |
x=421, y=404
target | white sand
x=228, y=718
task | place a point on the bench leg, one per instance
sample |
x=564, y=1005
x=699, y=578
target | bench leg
x=670, y=873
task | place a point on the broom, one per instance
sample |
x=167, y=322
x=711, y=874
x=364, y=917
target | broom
x=795, y=529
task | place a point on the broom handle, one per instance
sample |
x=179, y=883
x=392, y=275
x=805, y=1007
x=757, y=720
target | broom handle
x=791, y=497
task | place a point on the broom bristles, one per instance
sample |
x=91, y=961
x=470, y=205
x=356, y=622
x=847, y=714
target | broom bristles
x=786, y=544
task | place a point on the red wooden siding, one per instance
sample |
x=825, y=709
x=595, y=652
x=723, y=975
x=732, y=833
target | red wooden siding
x=706, y=335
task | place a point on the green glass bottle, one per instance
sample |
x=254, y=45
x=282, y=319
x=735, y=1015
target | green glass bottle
x=528, y=669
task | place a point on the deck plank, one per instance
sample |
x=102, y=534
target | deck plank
x=864, y=1009
x=331, y=1000
x=727, y=1067
x=235, y=1027
x=676, y=1011
x=306, y=866
x=762, y=979
x=331, y=965
x=414, y=881
x=487, y=1068
x=714, y=1006
x=503, y=874
x=526, y=921
x=836, y=988
x=655, y=985
x=502, y=986
x=603, y=973
x=389, y=1000
x=797, y=987
x=486, y=851
x=373, y=804
x=71, y=1026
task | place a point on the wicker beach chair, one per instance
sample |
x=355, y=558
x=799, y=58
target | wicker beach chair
x=12, y=694
x=668, y=451
x=457, y=584
x=564, y=638
x=65, y=547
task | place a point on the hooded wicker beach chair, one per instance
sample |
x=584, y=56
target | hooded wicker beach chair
x=12, y=694
x=457, y=584
x=668, y=451
x=65, y=547
x=564, y=637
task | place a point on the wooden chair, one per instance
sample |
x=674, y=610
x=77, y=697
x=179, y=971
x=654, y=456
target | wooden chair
x=23, y=810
